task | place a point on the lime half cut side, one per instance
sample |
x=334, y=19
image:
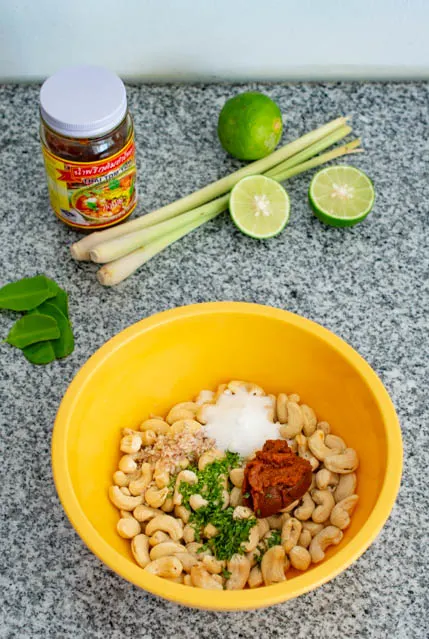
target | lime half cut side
x=259, y=206
x=341, y=195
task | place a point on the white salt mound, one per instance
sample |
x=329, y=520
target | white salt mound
x=240, y=423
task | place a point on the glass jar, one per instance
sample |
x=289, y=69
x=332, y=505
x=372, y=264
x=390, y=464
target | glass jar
x=87, y=137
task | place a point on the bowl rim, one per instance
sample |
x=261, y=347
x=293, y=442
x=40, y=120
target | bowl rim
x=250, y=598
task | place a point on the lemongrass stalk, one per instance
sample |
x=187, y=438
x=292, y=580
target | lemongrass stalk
x=115, y=272
x=311, y=150
x=119, y=246
x=80, y=250
x=118, y=270
x=114, y=249
x=346, y=149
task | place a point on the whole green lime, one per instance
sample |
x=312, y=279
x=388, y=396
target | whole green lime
x=250, y=126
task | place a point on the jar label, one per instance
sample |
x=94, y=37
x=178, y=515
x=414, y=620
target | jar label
x=93, y=194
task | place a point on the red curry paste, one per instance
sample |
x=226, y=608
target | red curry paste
x=275, y=478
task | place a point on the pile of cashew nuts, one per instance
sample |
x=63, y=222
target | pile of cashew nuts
x=156, y=522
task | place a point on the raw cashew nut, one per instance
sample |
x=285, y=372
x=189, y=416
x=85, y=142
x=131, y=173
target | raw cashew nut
x=158, y=537
x=335, y=442
x=325, y=426
x=305, y=538
x=331, y=535
x=131, y=444
x=294, y=397
x=139, y=485
x=236, y=475
x=187, y=476
x=305, y=511
x=225, y=499
x=291, y=506
x=168, y=505
x=275, y=522
x=291, y=531
x=149, y=437
x=205, y=397
x=187, y=581
x=166, y=523
x=326, y=502
x=255, y=577
x=128, y=527
x=197, y=501
x=157, y=426
x=312, y=527
x=346, y=487
x=161, y=475
x=316, y=444
x=188, y=534
x=272, y=408
x=187, y=560
x=155, y=497
x=242, y=512
x=201, y=578
x=213, y=565
x=282, y=401
x=184, y=410
x=273, y=565
x=182, y=513
x=144, y=513
x=208, y=457
x=210, y=531
x=341, y=512
x=165, y=549
x=253, y=540
x=236, y=497
x=123, y=502
x=326, y=479
x=140, y=550
x=263, y=527
x=239, y=567
x=303, y=452
x=295, y=421
x=300, y=558
x=127, y=464
x=125, y=490
x=343, y=463
x=167, y=567
x=247, y=387
x=121, y=479
x=310, y=420
x=182, y=425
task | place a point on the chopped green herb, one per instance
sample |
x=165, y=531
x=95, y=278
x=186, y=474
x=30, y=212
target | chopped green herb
x=91, y=205
x=232, y=533
x=114, y=184
x=226, y=573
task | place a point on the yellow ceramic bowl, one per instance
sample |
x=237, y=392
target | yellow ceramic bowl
x=168, y=358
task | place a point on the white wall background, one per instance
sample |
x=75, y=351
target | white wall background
x=217, y=39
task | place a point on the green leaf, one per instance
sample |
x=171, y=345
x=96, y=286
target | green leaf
x=64, y=345
x=27, y=293
x=91, y=205
x=40, y=352
x=33, y=328
x=61, y=301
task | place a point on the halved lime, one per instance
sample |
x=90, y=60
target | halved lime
x=341, y=195
x=259, y=206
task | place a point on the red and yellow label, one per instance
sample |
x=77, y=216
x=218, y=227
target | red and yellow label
x=93, y=194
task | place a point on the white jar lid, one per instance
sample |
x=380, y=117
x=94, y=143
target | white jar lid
x=83, y=101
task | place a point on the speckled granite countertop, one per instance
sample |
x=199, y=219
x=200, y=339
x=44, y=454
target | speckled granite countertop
x=368, y=284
